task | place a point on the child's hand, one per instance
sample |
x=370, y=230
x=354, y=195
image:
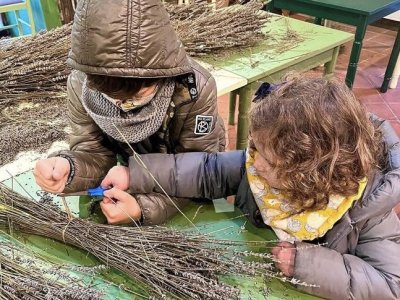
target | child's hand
x=285, y=252
x=119, y=207
x=51, y=174
x=118, y=177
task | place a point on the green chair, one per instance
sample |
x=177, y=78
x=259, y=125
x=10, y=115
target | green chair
x=15, y=6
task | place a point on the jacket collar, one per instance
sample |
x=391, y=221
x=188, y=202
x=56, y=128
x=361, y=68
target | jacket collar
x=383, y=192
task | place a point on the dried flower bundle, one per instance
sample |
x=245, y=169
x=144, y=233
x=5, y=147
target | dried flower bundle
x=34, y=68
x=33, y=92
x=27, y=276
x=28, y=128
x=204, y=31
x=168, y=262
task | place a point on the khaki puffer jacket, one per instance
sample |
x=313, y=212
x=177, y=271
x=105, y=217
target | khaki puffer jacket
x=135, y=39
x=361, y=256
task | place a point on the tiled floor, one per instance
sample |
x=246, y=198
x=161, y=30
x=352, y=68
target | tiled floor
x=375, y=54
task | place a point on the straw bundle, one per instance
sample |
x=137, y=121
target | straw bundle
x=33, y=68
x=33, y=92
x=26, y=276
x=168, y=262
x=204, y=31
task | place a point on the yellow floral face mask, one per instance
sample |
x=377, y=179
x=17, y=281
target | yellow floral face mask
x=288, y=222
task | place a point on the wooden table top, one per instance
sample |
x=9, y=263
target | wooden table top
x=280, y=50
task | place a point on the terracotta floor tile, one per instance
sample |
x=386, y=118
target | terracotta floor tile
x=395, y=107
x=365, y=66
x=380, y=59
x=375, y=46
x=341, y=73
x=376, y=29
x=392, y=33
x=362, y=80
x=346, y=48
x=377, y=68
x=392, y=96
x=223, y=106
x=368, y=55
x=384, y=39
x=370, y=35
x=381, y=110
x=376, y=79
x=343, y=60
x=368, y=96
x=222, y=102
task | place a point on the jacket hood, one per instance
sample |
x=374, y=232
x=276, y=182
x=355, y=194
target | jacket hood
x=383, y=189
x=126, y=38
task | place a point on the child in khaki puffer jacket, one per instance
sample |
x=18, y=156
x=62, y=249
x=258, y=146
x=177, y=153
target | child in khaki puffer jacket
x=133, y=83
x=318, y=170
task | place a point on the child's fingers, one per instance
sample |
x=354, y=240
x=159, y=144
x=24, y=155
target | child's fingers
x=106, y=200
x=104, y=208
x=44, y=168
x=108, y=209
x=61, y=169
x=107, y=181
x=112, y=193
x=117, y=194
x=276, y=250
x=285, y=245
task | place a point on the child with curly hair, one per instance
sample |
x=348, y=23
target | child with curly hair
x=319, y=169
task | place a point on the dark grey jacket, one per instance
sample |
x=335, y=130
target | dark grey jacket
x=361, y=259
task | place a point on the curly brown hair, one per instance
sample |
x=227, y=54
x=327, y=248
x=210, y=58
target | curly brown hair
x=320, y=136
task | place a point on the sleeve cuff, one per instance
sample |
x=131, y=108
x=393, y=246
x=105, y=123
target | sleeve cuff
x=72, y=168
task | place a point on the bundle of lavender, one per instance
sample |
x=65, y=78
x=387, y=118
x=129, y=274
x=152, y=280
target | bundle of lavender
x=33, y=76
x=34, y=68
x=167, y=262
x=206, y=31
x=24, y=275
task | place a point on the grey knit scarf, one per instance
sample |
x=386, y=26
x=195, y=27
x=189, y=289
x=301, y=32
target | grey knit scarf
x=135, y=125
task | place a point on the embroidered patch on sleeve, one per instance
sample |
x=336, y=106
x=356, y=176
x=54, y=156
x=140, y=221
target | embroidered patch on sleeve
x=203, y=124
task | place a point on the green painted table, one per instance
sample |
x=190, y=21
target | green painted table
x=358, y=13
x=219, y=219
x=290, y=45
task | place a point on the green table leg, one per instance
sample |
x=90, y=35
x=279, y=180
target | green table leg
x=392, y=63
x=330, y=65
x=232, y=107
x=355, y=52
x=245, y=94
